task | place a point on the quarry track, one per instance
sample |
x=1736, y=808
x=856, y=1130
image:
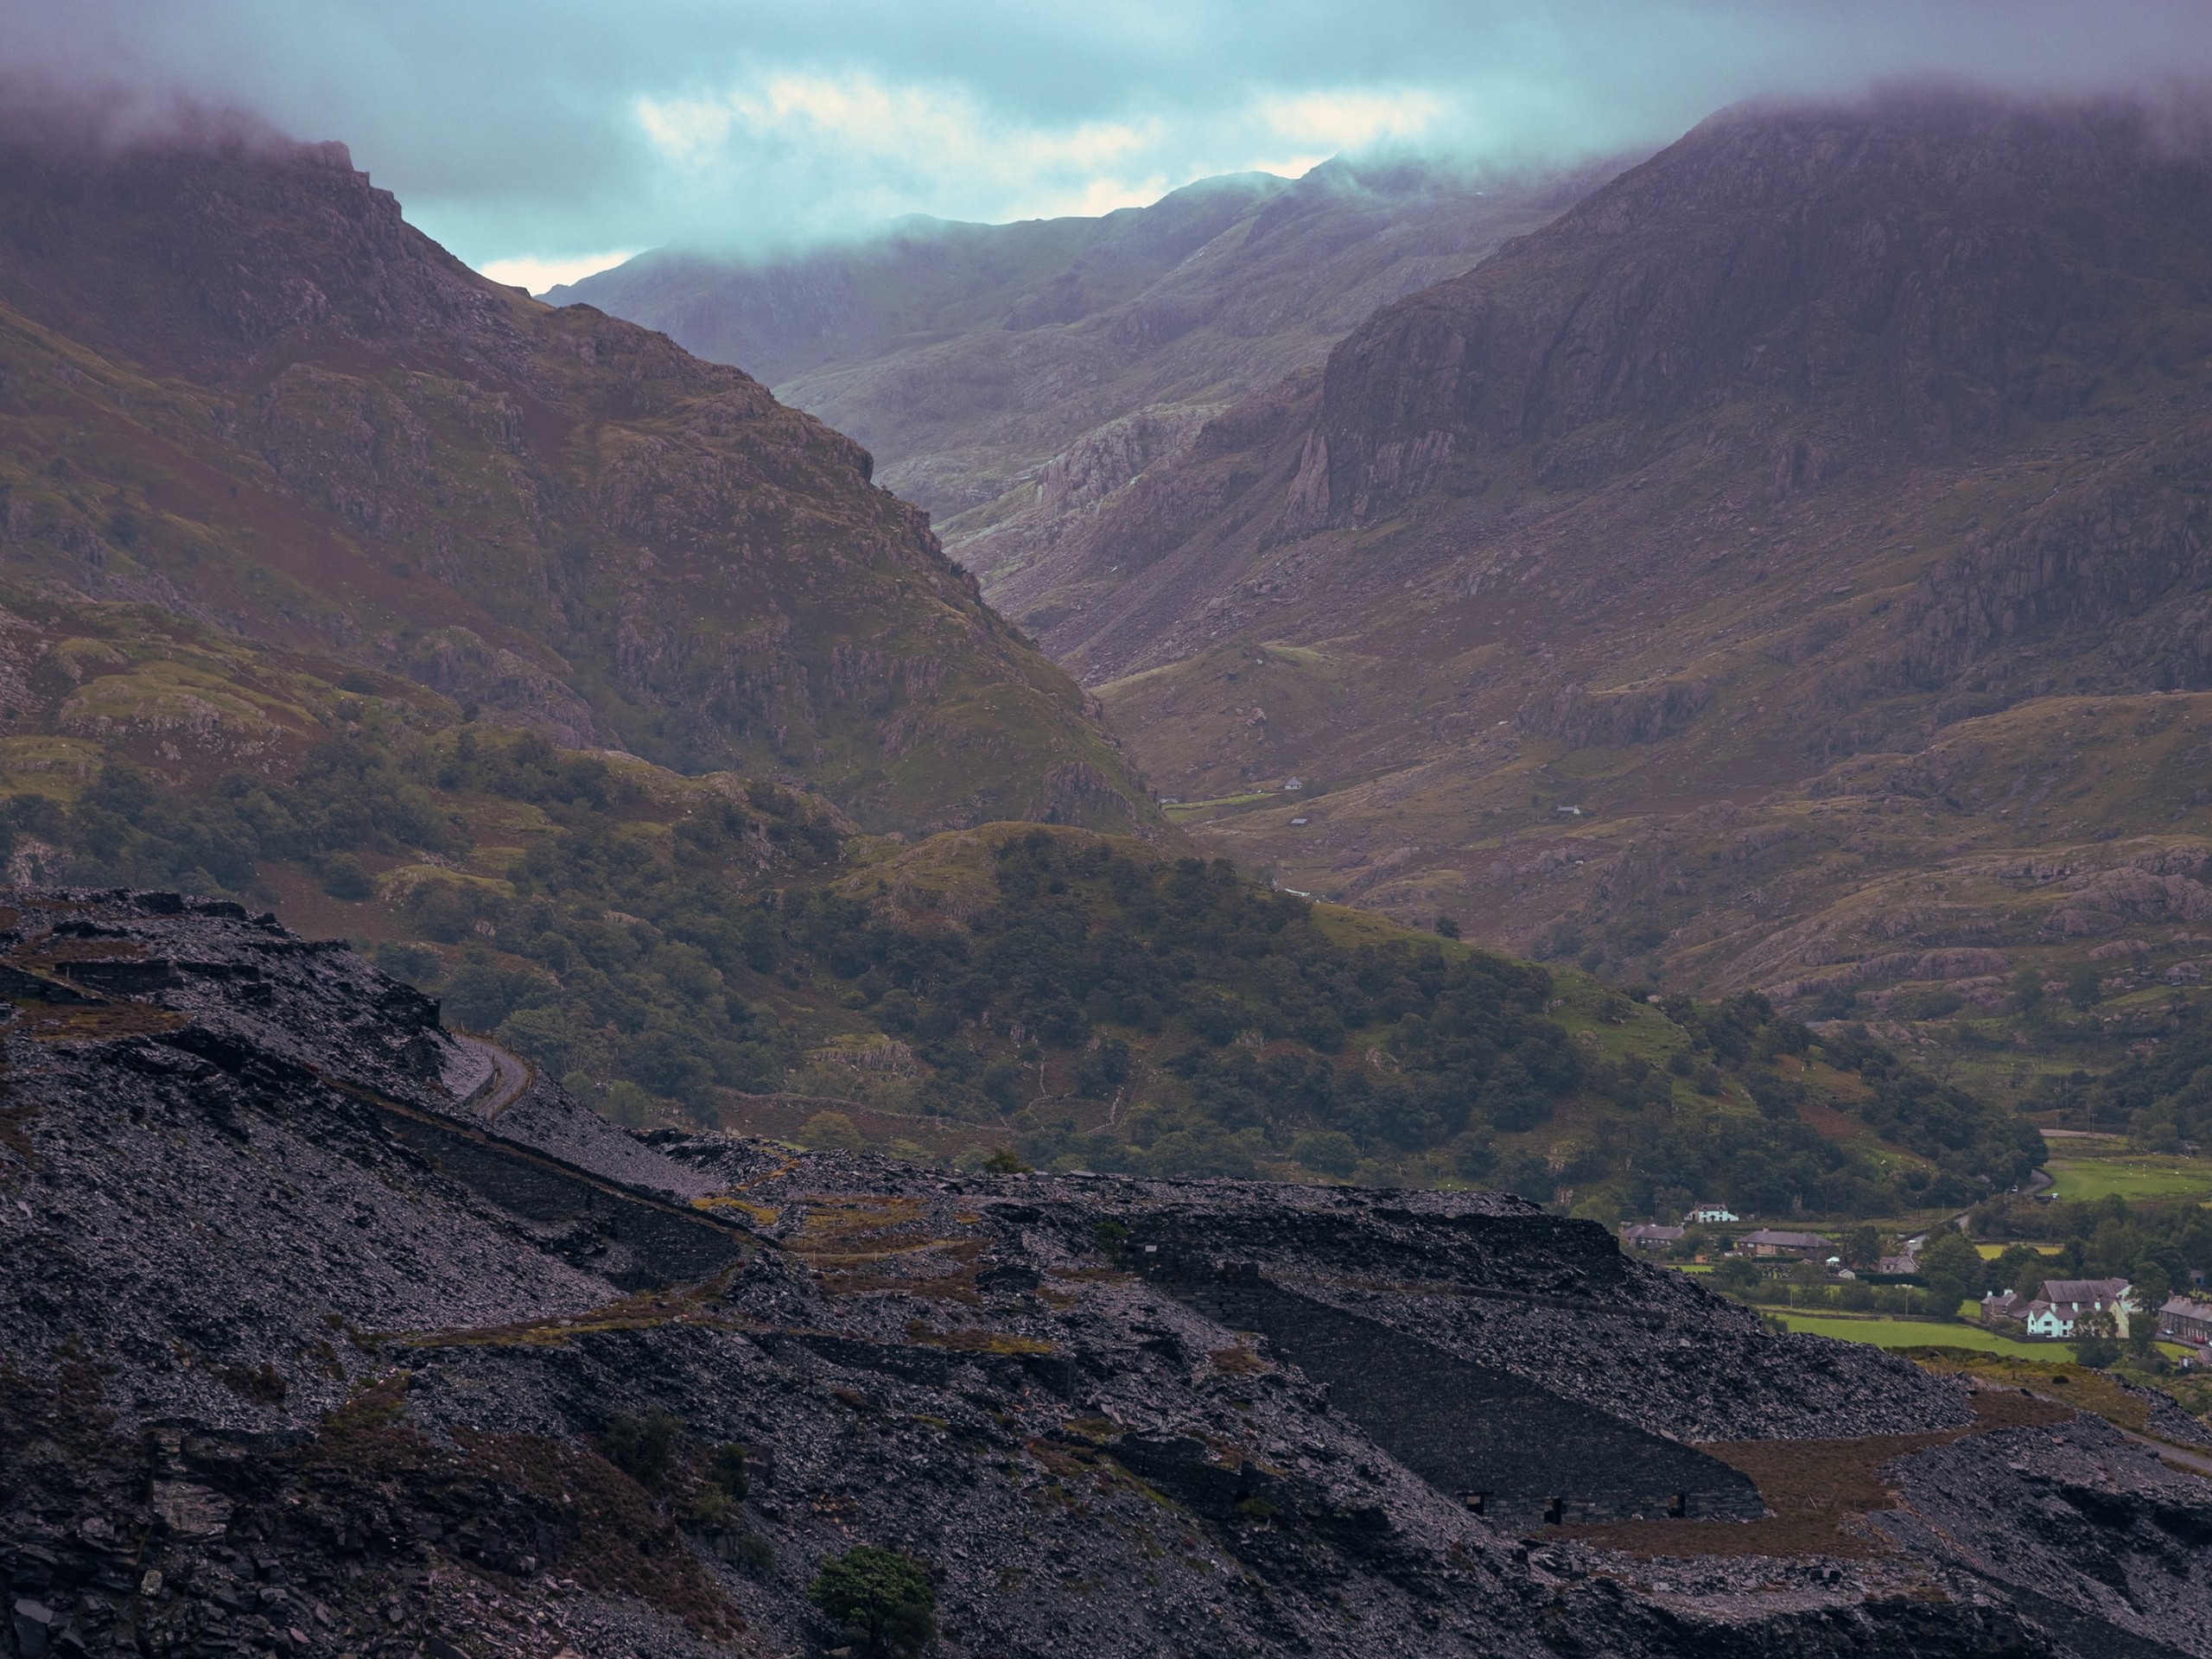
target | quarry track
x=510, y=1075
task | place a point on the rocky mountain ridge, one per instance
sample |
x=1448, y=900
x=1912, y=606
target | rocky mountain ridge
x=318, y=1336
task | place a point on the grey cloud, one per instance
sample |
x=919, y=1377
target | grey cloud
x=511, y=128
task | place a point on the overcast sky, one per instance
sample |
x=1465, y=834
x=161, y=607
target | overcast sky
x=545, y=139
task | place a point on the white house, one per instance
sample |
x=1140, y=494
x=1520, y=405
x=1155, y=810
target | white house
x=1712, y=1212
x=2065, y=1302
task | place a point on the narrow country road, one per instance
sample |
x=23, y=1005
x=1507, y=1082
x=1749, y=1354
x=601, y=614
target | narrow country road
x=509, y=1077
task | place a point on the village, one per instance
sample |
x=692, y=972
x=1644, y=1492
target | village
x=2165, y=1322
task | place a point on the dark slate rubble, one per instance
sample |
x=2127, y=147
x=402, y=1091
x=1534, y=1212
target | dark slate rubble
x=307, y=1343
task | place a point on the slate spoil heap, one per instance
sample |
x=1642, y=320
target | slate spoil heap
x=323, y=1333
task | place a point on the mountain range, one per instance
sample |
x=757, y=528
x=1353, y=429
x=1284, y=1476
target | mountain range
x=1774, y=573
x=1780, y=570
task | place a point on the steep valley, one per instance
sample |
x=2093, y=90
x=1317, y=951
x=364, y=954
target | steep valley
x=1742, y=502
x=599, y=1058
x=1015, y=379
x=1782, y=572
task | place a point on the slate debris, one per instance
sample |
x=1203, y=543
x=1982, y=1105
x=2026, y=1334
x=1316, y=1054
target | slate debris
x=284, y=1369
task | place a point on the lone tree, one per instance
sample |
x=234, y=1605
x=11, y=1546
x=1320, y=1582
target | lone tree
x=1862, y=1246
x=883, y=1601
x=642, y=1445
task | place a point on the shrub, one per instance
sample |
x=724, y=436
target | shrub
x=748, y=1552
x=708, y=1509
x=726, y=1468
x=1329, y=1151
x=416, y=964
x=642, y=1445
x=344, y=878
x=1102, y=1068
x=883, y=1601
x=1953, y=1270
x=830, y=1132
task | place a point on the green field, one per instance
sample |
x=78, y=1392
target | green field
x=1922, y=1333
x=2132, y=1177
x=1179, y=810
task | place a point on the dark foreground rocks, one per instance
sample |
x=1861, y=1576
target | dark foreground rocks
x=313, y=1333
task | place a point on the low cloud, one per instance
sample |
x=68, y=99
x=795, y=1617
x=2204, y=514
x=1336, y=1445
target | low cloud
x=860, y=148
x=536, y=135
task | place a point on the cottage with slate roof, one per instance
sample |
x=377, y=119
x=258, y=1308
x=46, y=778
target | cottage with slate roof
x=2065, y=1302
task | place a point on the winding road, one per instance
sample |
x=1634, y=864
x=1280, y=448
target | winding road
x=510, y=1076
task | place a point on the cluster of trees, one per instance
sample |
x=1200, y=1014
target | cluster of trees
x=1675, y=1150
x=351, y=795
x=2161, y=1096
x=608, y=954
x=640, y=949
x=2153, y=1244
x=1255, y=1010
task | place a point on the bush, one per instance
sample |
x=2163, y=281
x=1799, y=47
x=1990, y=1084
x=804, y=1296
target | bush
x=1953, y=1270
x=748, y=1552
x=881, y=1600
x=1329, y=1151
x=1102, y=1068
x=830, y=1132
x=416, y=964
x=642, y=1445
x=726, y=1468
x=1736, y=1274
x=343, y=878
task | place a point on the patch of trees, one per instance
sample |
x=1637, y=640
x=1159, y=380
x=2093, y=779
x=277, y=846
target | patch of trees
x=636, y=947
x=2162, y=1097
x=2152, y=1244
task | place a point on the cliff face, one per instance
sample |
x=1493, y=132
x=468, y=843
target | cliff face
x=323, y=1327
x=240, y=387
x=1612, y=589
x=1912, y=279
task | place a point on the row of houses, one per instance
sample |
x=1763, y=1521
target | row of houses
x=2063, y=1304
x=2057, y=1311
